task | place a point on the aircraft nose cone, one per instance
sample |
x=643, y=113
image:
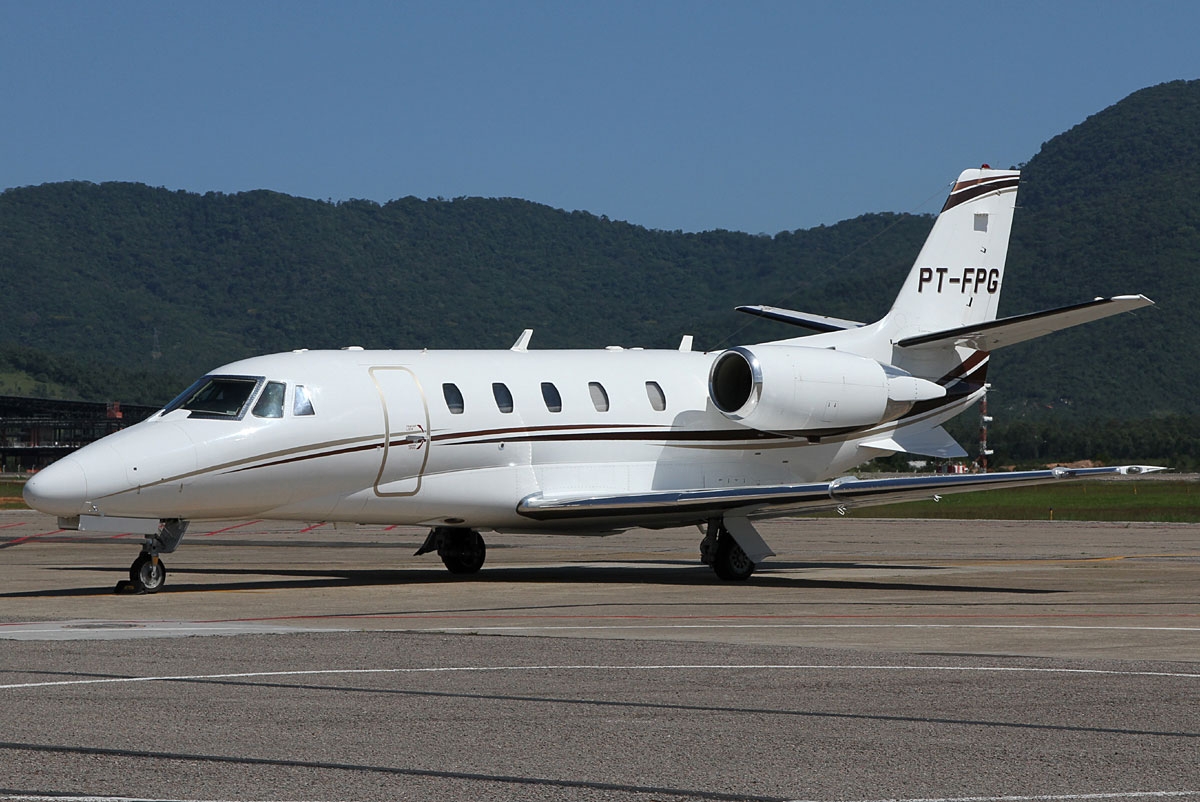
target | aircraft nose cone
x=58, y=490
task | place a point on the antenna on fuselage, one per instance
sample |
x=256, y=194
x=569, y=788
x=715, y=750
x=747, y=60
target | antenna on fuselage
x=522, y=343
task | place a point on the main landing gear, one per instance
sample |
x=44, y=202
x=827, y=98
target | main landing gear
x=462, y=550
x=723, y=554
x=148, y=573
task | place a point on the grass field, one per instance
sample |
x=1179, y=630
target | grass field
x=1131, y=500
x=10, y=495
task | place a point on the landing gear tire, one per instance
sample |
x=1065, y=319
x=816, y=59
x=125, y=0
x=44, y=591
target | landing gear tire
x=729, y=561
x=462, y=550
x=147, y=574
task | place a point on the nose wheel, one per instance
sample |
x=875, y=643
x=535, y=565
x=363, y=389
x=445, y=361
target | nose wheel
x=147, y=575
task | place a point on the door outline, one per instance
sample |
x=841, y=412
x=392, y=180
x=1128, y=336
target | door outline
x=415, y=436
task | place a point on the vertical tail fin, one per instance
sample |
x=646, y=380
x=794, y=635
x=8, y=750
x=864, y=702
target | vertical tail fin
x=957, y=277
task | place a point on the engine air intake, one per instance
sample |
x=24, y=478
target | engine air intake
x=802, y=390
x=735, y=378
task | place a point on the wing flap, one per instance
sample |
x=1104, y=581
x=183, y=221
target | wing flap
x=686, y=506
x=1010, y=330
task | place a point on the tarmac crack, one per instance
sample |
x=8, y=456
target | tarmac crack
x=507, y=779
x=814, y=714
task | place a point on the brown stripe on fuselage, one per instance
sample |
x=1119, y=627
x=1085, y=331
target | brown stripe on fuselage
x=965, y=367
x=960, y=382
x=969, y=190
x=963, y=380
x=526, y=430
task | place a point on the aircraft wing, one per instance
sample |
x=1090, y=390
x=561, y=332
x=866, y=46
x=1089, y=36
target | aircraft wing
x=1007, y=331
x=803, y=319
x=684, y=506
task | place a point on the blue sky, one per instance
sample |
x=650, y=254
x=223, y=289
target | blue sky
x=751, y=116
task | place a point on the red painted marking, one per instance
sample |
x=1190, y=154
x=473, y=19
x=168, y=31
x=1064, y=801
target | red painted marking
x=123, y=534
x=21, y=540
x=10, y=526
x=310, y=528
x=390, y=528
x=226, y=529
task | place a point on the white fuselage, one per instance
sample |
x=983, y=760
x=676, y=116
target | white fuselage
x=388, y=441
x=585, y=442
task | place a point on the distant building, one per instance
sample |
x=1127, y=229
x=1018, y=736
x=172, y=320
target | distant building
x=36, y=431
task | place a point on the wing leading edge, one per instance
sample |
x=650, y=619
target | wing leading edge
x=691, y=505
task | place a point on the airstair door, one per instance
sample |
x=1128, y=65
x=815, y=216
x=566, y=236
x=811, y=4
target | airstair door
x=406, y=427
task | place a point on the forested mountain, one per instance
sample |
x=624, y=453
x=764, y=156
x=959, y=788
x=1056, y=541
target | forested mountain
x=123, y=291
x=101, y=273
x=1111, y=206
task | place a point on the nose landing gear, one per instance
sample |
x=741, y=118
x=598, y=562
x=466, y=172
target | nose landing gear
x=148, y=573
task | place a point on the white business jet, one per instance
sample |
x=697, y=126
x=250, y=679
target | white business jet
x=584, y=441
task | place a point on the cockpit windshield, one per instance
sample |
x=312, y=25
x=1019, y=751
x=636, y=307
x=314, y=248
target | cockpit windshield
x=216, y=397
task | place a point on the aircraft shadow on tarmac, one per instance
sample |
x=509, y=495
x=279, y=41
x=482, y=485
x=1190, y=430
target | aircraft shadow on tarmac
x=658, y=572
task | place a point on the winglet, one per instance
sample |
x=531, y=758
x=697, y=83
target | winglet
x=522, y=343
x=686, y=343
x=1134, y=470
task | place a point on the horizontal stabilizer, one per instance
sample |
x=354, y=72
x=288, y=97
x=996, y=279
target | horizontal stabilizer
x=935, y=442
x=995, y=334
x=665, y=507
x=803, y=319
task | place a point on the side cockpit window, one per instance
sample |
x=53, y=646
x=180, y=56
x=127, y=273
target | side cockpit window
x=302, y=404
x=216, y=397
x=270, y=403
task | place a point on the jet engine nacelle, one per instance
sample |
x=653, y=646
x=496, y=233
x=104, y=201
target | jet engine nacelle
x=788, y=388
